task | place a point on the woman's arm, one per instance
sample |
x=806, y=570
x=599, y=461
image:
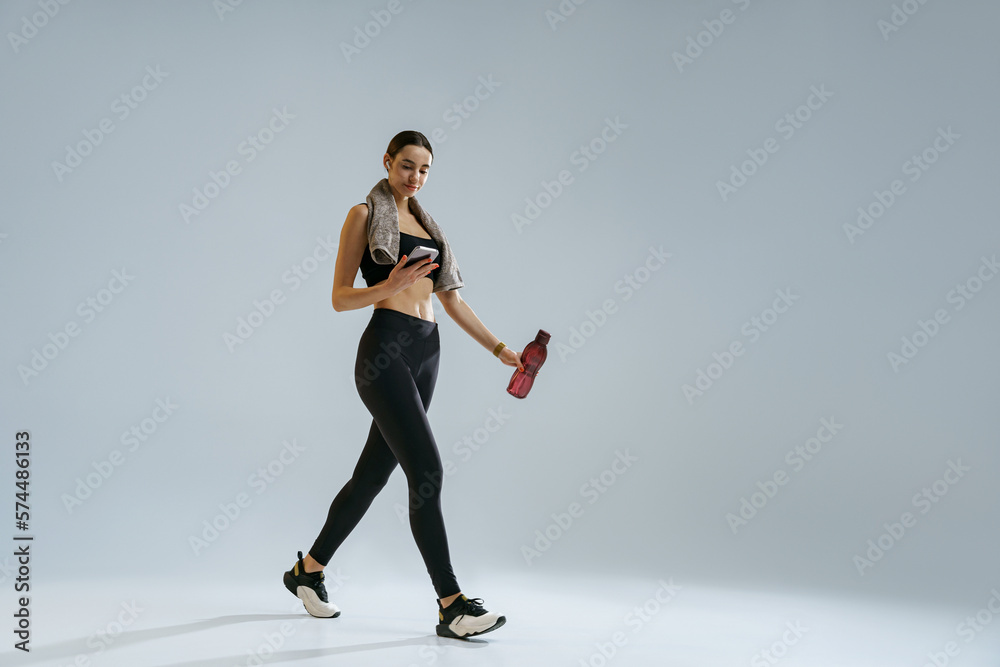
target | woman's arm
x=460, y=311
x=353, y=240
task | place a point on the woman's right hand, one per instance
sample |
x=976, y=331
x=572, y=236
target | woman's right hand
x=403, y=277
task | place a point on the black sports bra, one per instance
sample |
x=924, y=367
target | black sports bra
x=374, y=273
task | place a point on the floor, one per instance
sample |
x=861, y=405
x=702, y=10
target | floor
x=551, y=620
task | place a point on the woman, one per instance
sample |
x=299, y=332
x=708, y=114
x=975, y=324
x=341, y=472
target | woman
x=395, y=374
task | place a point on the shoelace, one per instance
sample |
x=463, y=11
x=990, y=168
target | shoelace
x=318, y=586
x=475, y=606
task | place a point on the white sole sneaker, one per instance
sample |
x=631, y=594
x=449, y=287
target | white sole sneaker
x=309, y=588
x=467, y=618
x=314, y=605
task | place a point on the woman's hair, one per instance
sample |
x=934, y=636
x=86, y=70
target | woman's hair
x=408, y=138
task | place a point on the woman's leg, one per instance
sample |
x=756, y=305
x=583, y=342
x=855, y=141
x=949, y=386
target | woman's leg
x=397, y=399
x=372, y=471
x=395, y=374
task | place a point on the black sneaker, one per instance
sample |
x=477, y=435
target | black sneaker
x=465, y=618
x=308, y=587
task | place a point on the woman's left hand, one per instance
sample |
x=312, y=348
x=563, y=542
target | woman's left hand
x=511, y=358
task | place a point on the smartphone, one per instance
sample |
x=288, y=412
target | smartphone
x=420, y=254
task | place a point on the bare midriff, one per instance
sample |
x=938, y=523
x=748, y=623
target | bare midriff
x=414, y=300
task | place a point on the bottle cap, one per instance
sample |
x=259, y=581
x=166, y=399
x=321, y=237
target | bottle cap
x=542, y=337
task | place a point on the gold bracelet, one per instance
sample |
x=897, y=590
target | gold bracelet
x=500, y=346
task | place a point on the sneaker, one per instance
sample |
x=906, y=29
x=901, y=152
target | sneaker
x=465, y=618
x=308, y=587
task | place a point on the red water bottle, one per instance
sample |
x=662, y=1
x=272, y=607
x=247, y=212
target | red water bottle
x=532, y=359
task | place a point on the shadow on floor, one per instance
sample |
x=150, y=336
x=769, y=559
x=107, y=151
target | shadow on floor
x=71, y=648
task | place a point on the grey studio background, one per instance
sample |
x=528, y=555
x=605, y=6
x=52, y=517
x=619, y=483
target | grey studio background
x=672, y=189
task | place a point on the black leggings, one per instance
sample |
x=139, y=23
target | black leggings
x=395, y=373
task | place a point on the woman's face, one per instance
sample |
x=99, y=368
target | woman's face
x=408, y=170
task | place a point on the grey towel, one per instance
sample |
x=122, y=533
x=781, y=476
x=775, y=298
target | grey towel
x=383, y=235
